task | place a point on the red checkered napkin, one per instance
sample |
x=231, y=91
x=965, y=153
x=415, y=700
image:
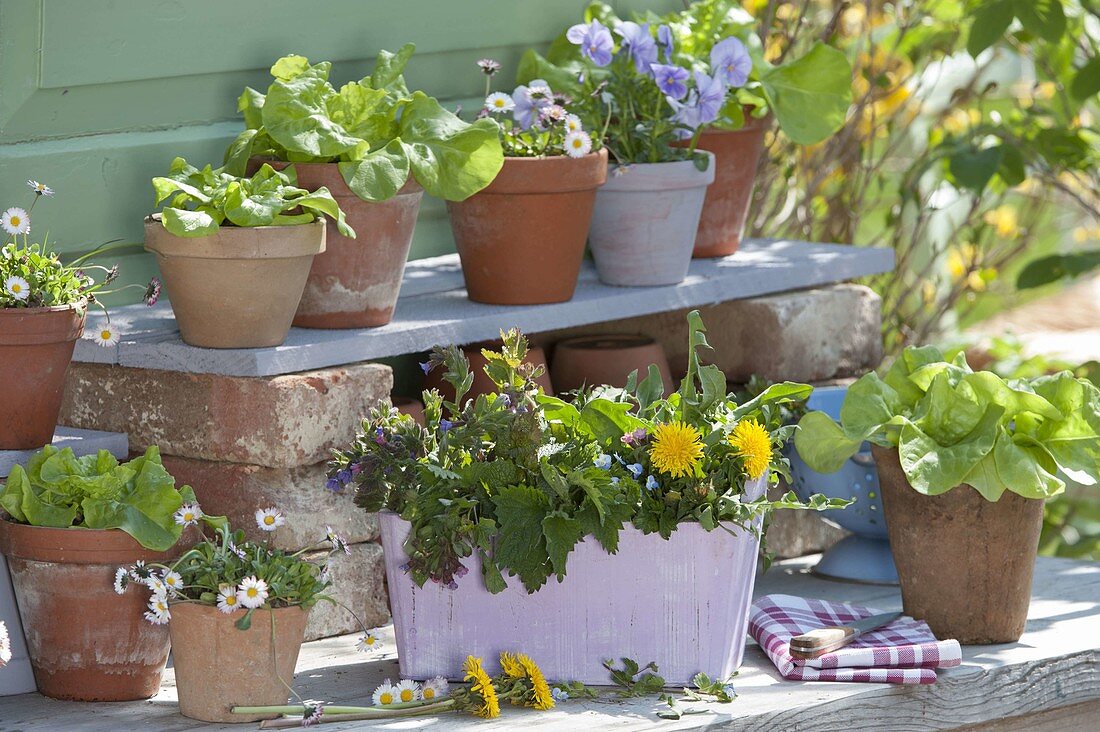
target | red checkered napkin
x=903, y=652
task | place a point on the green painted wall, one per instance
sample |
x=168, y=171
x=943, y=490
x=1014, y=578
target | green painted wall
x=98, y=97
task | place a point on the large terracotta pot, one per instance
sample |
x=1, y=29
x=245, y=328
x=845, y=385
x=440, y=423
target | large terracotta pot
x=237, y=288
x=643, y=227
x=521, y=239
x=964, y=564
x=737, y=155
x=85, y=642
x=606, y=359
x=219, y=667
x=482, y=383
x=36, y=345
x=355, y=282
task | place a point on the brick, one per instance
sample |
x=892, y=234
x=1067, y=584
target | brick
x=278, y=421
x=806, y=335
x=797, y=533
x=359, y=582
x=236, y=491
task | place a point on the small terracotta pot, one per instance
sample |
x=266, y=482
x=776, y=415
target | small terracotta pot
x=219, y=667
x=606, y=359
x=482, y=383
x=85, y=642
x=644, y=224
x=521, y=239
x=737, y=155
x=237, y=288
x=355, y=282
x=36, y=345
x=964, y=564
x=412, y=407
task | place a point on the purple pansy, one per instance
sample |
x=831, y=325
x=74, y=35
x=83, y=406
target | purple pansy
x=703, y=104
x=530, y=99
x=730, y=62
x=671, y=80
x=595, y=41
x=639, y=44
x=664, y=37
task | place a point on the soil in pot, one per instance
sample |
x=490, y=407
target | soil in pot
x=219, y=667
x=521, y=239
x=606, y=359
x=85, y=642
x=36, y=345
x=238, y=288
x=355, y=282
x=645, y=220
x=482, y=383
x=964, y=564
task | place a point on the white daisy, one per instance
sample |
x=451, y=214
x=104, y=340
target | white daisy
x=408, y=691
x=573, y=123
x=188, y=514
x=5, y=645
x=17, y=287
x=138, y=572
x=499, y=102
x=122, y=579
x=40, y=188
x=385, y=694
x=173, y=582
x=434, y=689
x=369, y=642
x=15, y=221
x=270, y=519
x=227, y=599
x=252, y=592
x=106, y=335
x=158, y=613
x=578, y=144
x=156, y=586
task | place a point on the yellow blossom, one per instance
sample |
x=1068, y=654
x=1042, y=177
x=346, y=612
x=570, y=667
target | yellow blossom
x=753, y=443
x=481, y=687
x=511, y=665
x=677, y=448
x=544, y=698
x=1004, y=220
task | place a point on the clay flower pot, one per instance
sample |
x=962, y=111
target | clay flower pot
x=355, y=282
x=36, y=345
x=644, y=224
x=521, y=239
x=964, y=564
x=737, y=154
x=606, y=359
x=482, y=383
x=237, y=288
x=412, y=407
x=219, y=667
x=85, y=642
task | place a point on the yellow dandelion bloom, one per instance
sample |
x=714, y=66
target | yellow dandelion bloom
x=511, y=665
x=754, y=445
x=1004, y=220
x=677, y=448
x=481, y=686
x=544, y=698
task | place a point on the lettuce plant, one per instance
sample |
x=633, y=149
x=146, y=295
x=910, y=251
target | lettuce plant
x=374, y=129
x=954, y=426
x=204, y=200
x=58, y=489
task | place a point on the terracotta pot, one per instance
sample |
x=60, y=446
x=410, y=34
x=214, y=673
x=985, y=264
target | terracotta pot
x=606, y=359
x=85, y=642
x=36, y=345
x=964, y=564
x=412, y=407
x=482, y=383
x=521, y=239
x=737, y=155
x=355, y=283
x=644, y=224
x=219, y=667
x=237, y=288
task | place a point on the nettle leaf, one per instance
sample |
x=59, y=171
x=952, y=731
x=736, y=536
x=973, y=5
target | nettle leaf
x=811, y=95
x=605, y=525
x=561, y=533
x=521, y=546
x=608, y=421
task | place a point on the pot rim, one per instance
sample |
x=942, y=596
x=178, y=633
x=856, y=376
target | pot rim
x=236, y=242
x=81, y=304
x=202, y=608
x=547, y=174
x=613, y=341
x=73, y=544
x=654, y=177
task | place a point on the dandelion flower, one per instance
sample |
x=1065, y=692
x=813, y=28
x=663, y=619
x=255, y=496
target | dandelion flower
x=577, y=144
x=499, y=102
x=543, y=697
x=408, y=691
x=227, y=599
x=511, y=666
x=754, y=445
x=385, y=694
x=106, y=335
x=122, y=579
x=15, y=221
x=677, y=448
x=188, y=514
x=269, y=519
x=481, y=687
x=369, y=642
x=573, y=123
x=252, y=592
x=40, y=189
x=172, y=581
x=17, y=287
x=5, y=645
x=434, y=689
x=158, y=613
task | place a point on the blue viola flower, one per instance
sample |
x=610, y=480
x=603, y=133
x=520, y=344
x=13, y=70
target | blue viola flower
x=595, y=41
x=635, y=470
x=730, y=62
x=651, y=483
x=603, y=461
x=672, y=81
x=639, y=44
x=664, y=37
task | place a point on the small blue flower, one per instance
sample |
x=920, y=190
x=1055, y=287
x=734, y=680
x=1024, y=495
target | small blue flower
x=426, y=366
x=559, y=695
x=664, y=37
x=595, y=41
x=334, y=484
x=603, y=462
x=445, y=425
x=635, y=470
x=730, y=62
x=344, y=476
x=728, y=690
x=651, y=483
x=672, y=81
x=614, y=480
x=505, y=400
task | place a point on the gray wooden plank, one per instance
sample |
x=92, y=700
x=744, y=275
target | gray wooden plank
x=82, y=442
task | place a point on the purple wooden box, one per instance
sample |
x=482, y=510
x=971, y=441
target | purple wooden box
x=682, y=602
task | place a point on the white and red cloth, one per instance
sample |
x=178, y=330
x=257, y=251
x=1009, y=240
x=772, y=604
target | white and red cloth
x=902, y=652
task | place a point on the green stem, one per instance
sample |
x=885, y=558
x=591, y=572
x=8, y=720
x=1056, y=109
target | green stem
x=107, y=247
x=386, y=710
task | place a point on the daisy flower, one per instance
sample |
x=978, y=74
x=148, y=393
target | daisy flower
x=754, y=445
x=369, y=642
x=138, y=572
x=677, y=448
x=252, y=592
x=40, y=189
x=15, y=221
x=578, y=144
x=5, y=645
x=172, y=581
x=433, y=689
x=269, y=519
x=152, y=292
x=488, y=66
x=339, y=543
x=314, y=710
x=499, y=102
x=122, y=579
x=156, y=586
x=106, y=335
x=227, y=599
x=188, y=514
x=385, y=694
x=17, y=287
x=408, y=691
x=158, y=613
x=573, y=123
